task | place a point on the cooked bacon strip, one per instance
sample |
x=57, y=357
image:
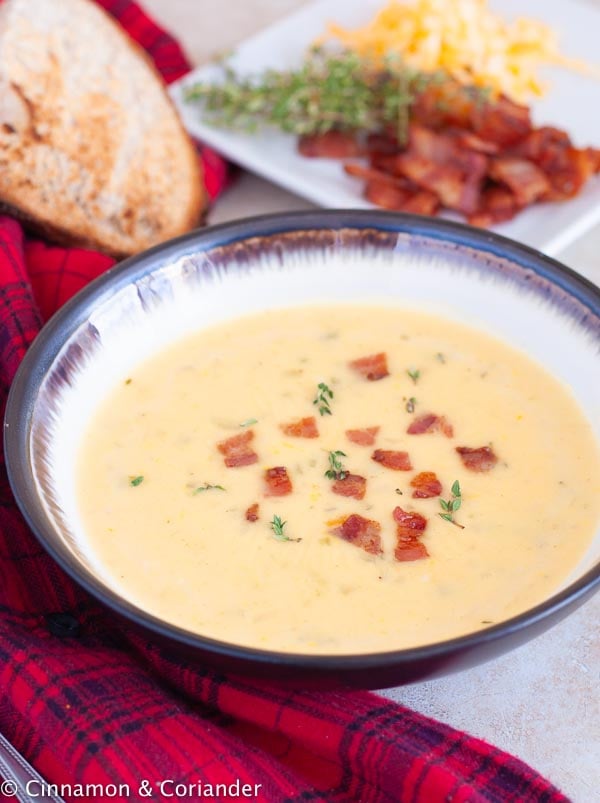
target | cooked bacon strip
x=466, y=139
x=237, y=450
x=302, y=428
x=382, y=143
x=481, y=459
x=426, y=485
x=252, y=512
x=502, y=121
x=498, y=204
x=430, y=422
x=523, y=178
x=373, y=367
x=421, y=202
x=329, y=145
x=352, y=485
x=385, y=194
x=363, y=533
x=397, y=461
x=409, y=528
x=363, y=437
x=277, y=482
x=372, y=174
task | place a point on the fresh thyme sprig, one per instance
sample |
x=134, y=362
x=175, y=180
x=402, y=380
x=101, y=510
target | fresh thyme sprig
x=414, y=374
x=452, y=505
x=277, y=526
x=336, y=470
x=323, y=397
x=341, y=90
x=208, y=487
x=135, y=481
x=410, y=405
x=249, y=422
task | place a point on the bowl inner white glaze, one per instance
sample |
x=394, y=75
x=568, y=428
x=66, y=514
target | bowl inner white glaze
x=202, y=289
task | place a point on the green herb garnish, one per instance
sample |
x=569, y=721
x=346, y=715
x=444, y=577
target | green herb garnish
x=452, y=505
x=336, y=470
x=414, y=374
x=323, y=397
x=135, y=481
x=277, y=526
x=440, y=357
x=399, y=492
x=249, y=422
x=336, y=90
x=208, y=487
x=410, y=405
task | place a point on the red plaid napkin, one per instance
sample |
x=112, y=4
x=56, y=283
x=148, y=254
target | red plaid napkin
x=109, y=707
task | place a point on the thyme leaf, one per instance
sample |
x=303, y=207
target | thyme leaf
x=208, y=487
x=278, y=526
x=336, y=470
x=410, y=405
x=450, y=506
x=135, y=481
x=414, y=374
x=323, y=397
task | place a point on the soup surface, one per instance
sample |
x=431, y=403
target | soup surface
x=338, y=479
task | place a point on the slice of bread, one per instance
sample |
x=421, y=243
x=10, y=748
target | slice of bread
x=92, y=151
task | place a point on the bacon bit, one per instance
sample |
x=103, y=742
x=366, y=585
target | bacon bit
x=524, y=179
x=373, y=367
x=252, y=512
x=430, y=422
x=498, y=204
x=277, y=482
x=352, y=485
x=397, y=461
x=422, y=202
x=303, y=428
x=237, y=450
x=426, y=485
x=363, y=533
x=385, y=194
x=410, y=527
x=363, y=437
x=329, y=145
x=481, y=459
x=503, y=122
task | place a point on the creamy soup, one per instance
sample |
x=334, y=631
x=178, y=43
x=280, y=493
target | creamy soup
x=338, y=479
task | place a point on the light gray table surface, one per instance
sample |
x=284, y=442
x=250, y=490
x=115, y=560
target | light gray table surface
x=540, y=702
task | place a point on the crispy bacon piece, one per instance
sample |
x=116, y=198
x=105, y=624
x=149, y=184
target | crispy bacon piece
x=363, y=437
x=302, y=428
x=466, y=139
x=373, y=367
x=352, y=485
x=422, y=202
x=498, y=204
x=443, y=105
x=480, y=459
x=397, y=461
x=252, y=512
x=501, y=121
x=430, y=422
x=330, y=145
x=382, y=143
x=426, y=485
x=409, y=528
x=523, y=178
x=364, y=533
x=277, y=482
x=372, y=174
x=237, y=450
x=385, y=194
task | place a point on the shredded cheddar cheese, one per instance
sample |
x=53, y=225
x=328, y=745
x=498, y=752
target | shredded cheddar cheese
x=465, y=39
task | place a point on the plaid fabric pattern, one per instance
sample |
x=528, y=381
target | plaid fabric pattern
x=109, y=706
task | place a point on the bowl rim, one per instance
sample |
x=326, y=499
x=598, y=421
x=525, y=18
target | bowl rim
x=46, y=346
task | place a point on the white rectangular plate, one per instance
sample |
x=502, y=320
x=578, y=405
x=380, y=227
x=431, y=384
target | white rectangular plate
x=573, y=103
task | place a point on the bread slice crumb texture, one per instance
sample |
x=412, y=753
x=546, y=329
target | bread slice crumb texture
x=91, y=148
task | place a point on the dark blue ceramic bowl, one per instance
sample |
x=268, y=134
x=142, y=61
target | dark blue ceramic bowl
x=217, y=273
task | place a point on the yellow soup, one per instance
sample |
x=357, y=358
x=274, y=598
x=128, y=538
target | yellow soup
x=213, y=501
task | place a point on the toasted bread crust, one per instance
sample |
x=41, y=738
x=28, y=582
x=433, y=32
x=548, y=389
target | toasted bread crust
x=92, y=151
